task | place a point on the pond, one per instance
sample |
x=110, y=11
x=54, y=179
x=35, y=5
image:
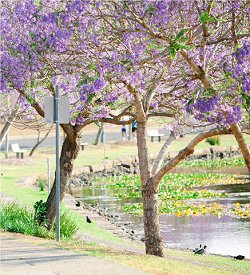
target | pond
x=225, y=235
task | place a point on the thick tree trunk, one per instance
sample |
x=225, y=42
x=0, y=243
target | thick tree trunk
x=242, y=144
x=153, y=239
x=68, y=155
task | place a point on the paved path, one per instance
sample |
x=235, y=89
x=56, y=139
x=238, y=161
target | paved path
x=21, y=257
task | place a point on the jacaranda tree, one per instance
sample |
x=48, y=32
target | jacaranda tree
x=36, y=54
x=187, y=60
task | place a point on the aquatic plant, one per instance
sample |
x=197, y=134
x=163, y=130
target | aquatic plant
x=179, y=194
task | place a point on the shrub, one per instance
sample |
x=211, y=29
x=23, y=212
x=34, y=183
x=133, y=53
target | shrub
x=68, y=227
x=213, y=140
x=18, y=219
x=41, y=183
x=40, y=211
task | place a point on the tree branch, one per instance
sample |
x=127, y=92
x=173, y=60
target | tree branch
x=188, y=150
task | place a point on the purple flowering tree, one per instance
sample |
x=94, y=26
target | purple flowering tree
x=37, y=52
x=142, y=58
x=169, y=56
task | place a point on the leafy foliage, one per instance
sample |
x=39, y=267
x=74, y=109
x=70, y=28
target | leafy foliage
x=213, y=140
x=68, y=226
x=40, y=211
x=206, y=18
x=41, y=183
x=15, y=218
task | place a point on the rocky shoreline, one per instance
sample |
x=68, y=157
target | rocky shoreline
x=123, y=229
x=85, y=175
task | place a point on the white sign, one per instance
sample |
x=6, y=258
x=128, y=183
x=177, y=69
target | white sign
x=63, y=110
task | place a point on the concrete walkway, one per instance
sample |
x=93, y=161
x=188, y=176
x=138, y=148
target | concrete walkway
x=20, y=256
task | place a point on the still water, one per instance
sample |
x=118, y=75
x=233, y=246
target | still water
x=225, y=236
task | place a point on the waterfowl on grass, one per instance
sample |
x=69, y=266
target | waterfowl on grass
x=197, y=248
x=239, y=257
x=88, y=219
x=201, y=250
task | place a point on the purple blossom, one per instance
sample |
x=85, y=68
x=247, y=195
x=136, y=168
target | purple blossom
x=99, y=84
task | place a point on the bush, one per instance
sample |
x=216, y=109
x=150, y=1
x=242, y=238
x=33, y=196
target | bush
x=18, y=219
x=68, y=227
x=15, y=218
x=213, y=141
x=40, y=211
x=41, y=183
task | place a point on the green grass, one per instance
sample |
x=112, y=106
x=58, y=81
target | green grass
x=26, y=195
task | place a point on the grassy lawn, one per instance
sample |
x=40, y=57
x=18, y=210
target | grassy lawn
x=175, y=261
x=178, y=262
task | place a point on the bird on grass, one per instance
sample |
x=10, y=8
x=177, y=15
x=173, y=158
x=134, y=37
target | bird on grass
x=239, y=257
x=197, y=248
x=201, y=251
x=88, y=219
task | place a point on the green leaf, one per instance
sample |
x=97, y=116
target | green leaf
x=31, y=100
x=209, y=92
x=125, y=4
x=246, y=100
x=206, y=18
x=32, y=34
x=93, y=66
x=34, y=45
x=180, y=34
x=153, y=45
x=172, y=52
x=150, y=10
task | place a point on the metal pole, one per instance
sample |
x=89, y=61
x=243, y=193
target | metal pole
x=48, y=169
x=56, y=116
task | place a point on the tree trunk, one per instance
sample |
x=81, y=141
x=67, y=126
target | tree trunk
x=242, y=144
x=39, y=142
x=99, y=134
x=8, y=124
x=68, y=155
x=153, y=240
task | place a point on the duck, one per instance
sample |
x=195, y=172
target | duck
x=197, y=248
x=239, y=257
x=201, y=250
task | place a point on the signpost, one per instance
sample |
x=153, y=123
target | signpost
x=57, y=111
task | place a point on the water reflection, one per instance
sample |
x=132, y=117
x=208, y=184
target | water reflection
x=226, y=235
